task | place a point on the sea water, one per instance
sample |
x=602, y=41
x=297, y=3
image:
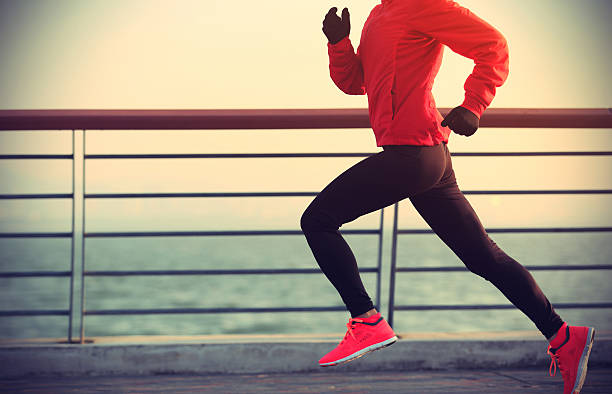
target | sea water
x=262, y=291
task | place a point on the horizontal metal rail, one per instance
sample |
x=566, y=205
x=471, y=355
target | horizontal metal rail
x=199, y=195
x=43, y=312
x=287, y=155
x=239, y=233
x=325, y=309
x=530, y=154
x=312, y=194
x=36, y=157
x=283, y=271
x=318, y=271
x=42, y=274
x=591, y=305
x=326, y=155
x=35, y=274
x=524, y=230
x=226, y=155
x=276, y=194
x=245, y=119
x=529, y=267
x=542, y=192
x=35, y=235
x=299, y=232
x=35, y=196
x=174, y=311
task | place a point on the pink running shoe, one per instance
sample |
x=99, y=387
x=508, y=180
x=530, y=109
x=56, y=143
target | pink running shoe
x=363, y=336
x=572, y=355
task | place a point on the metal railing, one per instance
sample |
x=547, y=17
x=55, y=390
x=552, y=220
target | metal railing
x=258, y=119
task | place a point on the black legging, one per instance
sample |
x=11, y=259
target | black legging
x=425, y=175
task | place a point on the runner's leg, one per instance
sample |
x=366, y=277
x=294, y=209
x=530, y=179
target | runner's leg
x=453, y=219
x=372, y=184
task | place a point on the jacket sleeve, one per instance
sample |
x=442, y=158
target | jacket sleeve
x=345, y=67
x=470, y=36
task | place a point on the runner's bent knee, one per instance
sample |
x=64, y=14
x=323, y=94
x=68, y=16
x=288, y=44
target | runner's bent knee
x=314, y=219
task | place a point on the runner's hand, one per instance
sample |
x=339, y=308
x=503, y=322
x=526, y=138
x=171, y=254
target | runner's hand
x=335, y=28
x=462, y=121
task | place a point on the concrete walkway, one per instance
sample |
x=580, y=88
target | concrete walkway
x=227, y=355
x=466, y=381
x=498, y=363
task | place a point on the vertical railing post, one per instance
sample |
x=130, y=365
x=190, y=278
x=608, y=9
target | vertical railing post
x=76, y=277
x=380, y=248
x=72, y=245
x=393, y=265
x=82, y=334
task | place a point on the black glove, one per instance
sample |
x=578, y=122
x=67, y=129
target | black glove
x=462, y=121
x=335, y=28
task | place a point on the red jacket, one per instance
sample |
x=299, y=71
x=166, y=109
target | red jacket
x=399, y=56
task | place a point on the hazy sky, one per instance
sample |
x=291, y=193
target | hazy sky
x=270, y=54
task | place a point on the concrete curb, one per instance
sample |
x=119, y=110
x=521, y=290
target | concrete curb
x=278, y=354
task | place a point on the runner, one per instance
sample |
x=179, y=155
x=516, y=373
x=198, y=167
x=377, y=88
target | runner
x=395, y=65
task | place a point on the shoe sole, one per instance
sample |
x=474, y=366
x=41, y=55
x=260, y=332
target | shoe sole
x=362, y=352
x=584, y=359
